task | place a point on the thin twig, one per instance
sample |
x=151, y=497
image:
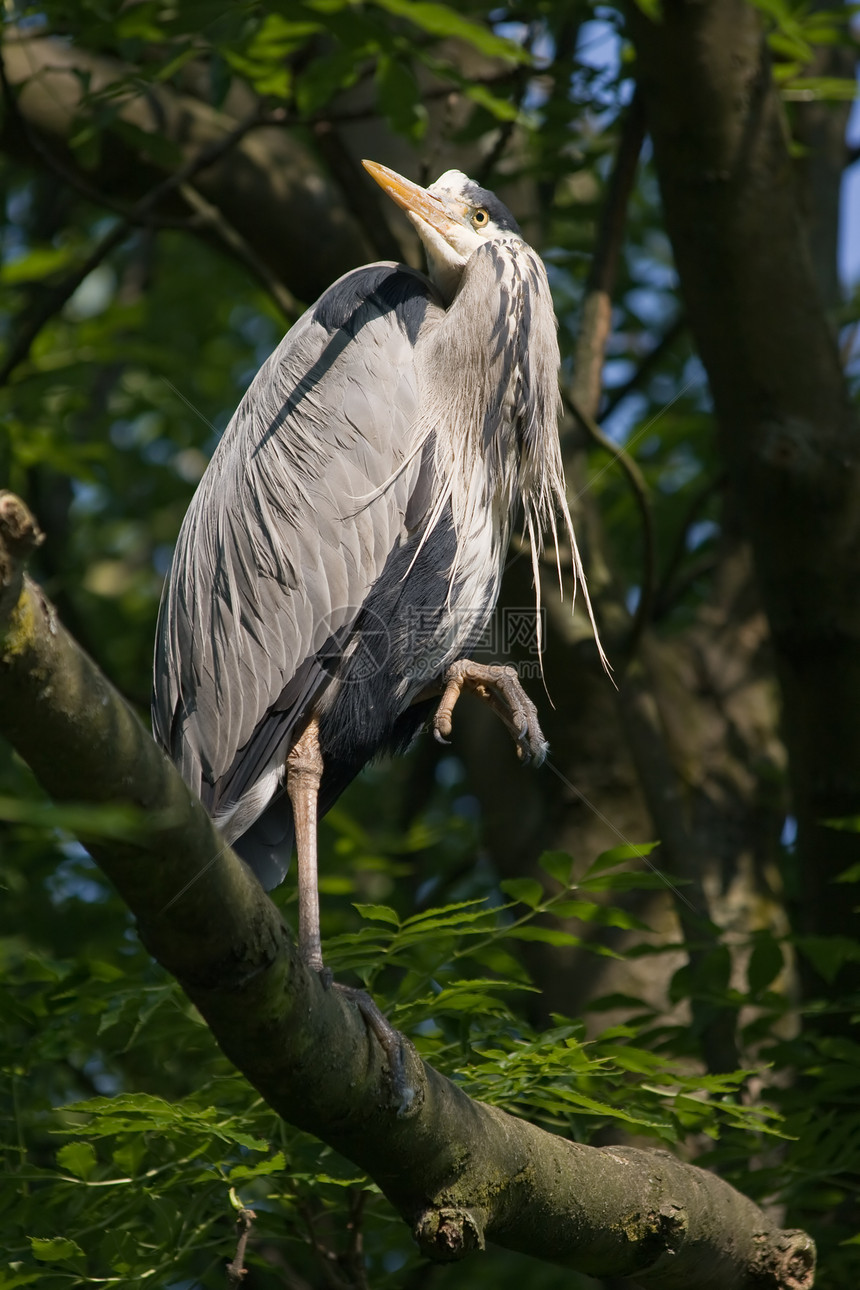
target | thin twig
x=506, y=129
x=353, y=1259
x=584, y=396
x=210, y=217
x=596, y=318
x=360, y=196
x=494, y=156
x=610, y=234
x=236, y=1271
x=291, y=1279
x=77, y=182
x=326, y=1257
x=699, y=567
x=640, y=492
x=651, y=360
x=669, y=586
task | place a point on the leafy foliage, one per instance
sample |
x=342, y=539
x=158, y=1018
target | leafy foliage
x=141, y=1186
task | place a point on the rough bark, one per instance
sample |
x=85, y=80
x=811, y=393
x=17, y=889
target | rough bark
x=459, y=1172
x=789, y=434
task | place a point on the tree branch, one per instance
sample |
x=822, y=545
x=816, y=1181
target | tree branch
x=268, y=182
x=236, y=1270
x=596, y=320
x=459, y=1172
x=210, y=217
x=57, y=296
x=590, y=350
x=639, y=488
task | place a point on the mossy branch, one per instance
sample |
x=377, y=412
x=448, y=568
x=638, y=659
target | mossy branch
x=459, y=1172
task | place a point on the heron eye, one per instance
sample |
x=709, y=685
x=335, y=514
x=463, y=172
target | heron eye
x=481, y=218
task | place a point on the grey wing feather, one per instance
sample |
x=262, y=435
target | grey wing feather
x=289, y=529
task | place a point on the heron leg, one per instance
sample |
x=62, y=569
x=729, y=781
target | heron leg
x=500, y=687
x=304, y=772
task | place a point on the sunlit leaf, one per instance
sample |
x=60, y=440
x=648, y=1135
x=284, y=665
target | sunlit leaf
x=77, y=1158
x=55, y=1249
x=440, y=20
x=378, y=913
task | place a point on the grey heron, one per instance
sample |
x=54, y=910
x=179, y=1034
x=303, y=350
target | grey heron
x=344, y=550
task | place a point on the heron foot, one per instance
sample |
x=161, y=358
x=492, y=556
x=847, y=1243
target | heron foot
x=390, y=1040
x=500, y=687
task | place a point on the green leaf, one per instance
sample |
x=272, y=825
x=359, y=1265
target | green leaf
x=637, y=880
x=849, y=823
x=806, y=89
x=109, y=821
x=712, y=972
x=138, y=22
x=637, y=1060
x=55, y=1249
x=129, y=1157
x=439, y=20
x=559, y=865
x=527, y=891
x=276, y=1164
x=790, y=45
x=652, y=9
x=327, y=76
x=399, y=98
x=143, y=1113
x=546, y=935
x=378, y=913
x=443, y=914
x=765, y=964
x=606, y=915
x=620, y=855
x=827, y=954
x=500, y=108
x=40, y=262
x=78, y=1158
x=149, y=143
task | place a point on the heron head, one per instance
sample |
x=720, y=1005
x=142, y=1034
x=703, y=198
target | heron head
x=453, y=217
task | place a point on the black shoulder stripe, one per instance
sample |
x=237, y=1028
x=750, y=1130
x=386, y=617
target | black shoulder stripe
x=393, y=287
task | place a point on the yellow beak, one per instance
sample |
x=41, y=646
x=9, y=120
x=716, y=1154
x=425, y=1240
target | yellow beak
x=416, y=200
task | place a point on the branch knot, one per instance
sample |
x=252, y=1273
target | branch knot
x=447, y=1234
x=19, y=537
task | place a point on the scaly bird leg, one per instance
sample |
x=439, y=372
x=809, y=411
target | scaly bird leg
x=304, y=772
x=500, y=687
